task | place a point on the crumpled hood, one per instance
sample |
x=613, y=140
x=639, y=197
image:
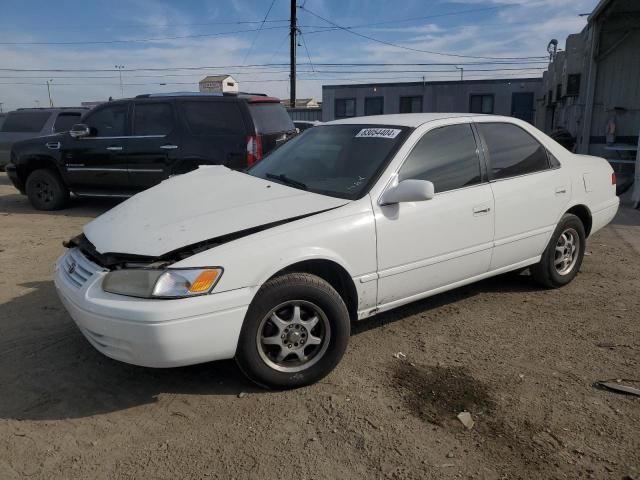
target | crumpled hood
x=201, y=205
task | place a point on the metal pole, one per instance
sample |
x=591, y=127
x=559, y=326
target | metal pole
x=120, y=68
x=461, y=72
x=292, y=51
x=49, y=92
x=635, y=196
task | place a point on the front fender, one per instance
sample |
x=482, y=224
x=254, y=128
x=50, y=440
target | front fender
x=345, y=236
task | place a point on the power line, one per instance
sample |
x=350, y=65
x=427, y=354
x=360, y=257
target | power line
x=258, y=32
x=412, y=19
x=142, y=40
x=141, y=25
x=268, y=80
x=320, y=72
x=304, y=42
x=403, y=47
x=279, y=47
x=262, y=65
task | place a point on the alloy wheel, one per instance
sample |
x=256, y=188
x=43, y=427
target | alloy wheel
x=567, y=251
x=293, y=336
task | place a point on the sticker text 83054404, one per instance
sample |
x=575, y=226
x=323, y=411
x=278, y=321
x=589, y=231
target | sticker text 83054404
x=378, y=133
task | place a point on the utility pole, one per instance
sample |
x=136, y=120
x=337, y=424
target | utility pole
x=49, y=92
x=461, y=72
x=120, y=68
x=292, y=51
x=1, y=107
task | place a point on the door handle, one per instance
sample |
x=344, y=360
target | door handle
x=481, y=209
x=114, y=149
x=560, y=190
x=53, y=145
x=169, y=147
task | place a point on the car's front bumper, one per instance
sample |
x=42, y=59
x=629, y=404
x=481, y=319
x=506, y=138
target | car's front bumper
x=151, y=333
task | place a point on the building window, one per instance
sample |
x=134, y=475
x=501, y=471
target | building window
x=481, y=104
x=410, y=104
x=558, y=92
x=573, y=85
x=345, y=107
x=374, y=105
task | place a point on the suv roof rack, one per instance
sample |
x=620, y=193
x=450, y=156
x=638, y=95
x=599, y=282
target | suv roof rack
x=250, y=97
x=181, y=94
x=50, y=108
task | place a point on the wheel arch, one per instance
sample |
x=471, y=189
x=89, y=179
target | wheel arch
x=37, y=162
x=333, y=273
x=584, y=214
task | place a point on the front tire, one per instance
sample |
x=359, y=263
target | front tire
x=563, y=256
x=295, y=332
x=46, y=190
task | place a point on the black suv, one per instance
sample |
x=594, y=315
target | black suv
x=125, y=146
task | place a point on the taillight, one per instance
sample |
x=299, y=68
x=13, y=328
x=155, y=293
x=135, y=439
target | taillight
x=614, y=179
x=254, y=149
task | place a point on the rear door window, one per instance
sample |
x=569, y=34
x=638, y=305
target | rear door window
x=270, y=118
x=109, y=121
x=447, y=157
x=28, y=122
x=65, y=121
x=512, y=151
x=213, y=118
x=152, y=119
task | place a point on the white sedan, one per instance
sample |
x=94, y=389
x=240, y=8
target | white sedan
x=349, y=219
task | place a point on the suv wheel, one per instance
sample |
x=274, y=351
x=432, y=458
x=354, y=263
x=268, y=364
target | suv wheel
x=46, y=191
x=563, y=256
x=295, y=332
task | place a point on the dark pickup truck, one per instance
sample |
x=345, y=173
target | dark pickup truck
x=125, y=146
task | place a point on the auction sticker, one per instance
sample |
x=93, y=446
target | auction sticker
x=378, y=133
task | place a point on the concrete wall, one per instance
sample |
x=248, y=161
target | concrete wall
x=436, y=96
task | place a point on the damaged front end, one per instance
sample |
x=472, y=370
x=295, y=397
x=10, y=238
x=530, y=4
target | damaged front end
x=117, y=261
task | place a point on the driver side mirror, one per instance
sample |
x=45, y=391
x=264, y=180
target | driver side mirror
x=80, y=130
x=408, y=191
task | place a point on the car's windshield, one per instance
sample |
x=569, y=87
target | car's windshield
x=335, y=160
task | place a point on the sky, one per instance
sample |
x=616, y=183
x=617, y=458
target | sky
x=168, y=46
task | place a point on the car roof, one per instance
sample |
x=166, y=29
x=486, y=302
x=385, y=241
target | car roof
x=410, y=119
x=49, y=109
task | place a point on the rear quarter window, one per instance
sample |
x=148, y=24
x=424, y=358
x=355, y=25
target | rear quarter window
x=270, y=118
x=27, y=122
x=213, y=118
x=65, y=121
x=512, y=150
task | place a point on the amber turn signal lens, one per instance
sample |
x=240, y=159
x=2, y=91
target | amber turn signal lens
x=204, y=281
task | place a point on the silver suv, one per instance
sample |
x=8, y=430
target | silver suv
x=34, y=122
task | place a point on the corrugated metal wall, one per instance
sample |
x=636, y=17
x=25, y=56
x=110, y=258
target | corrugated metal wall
x=308, y=114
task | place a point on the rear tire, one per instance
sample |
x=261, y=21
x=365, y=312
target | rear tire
x=295, y=332
x=563, y=256
x=46, y=190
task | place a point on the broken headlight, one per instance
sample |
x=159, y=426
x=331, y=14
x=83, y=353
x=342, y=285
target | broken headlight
x=165, y=283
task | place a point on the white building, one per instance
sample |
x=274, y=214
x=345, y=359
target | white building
x=218, y=83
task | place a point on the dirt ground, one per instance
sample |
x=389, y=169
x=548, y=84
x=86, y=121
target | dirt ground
x=520, y=359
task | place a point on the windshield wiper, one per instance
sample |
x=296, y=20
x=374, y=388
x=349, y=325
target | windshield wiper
x=286, y=180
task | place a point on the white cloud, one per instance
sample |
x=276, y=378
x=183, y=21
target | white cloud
x=521, y=30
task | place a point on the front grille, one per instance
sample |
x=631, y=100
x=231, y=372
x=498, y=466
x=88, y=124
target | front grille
x=77, y=268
